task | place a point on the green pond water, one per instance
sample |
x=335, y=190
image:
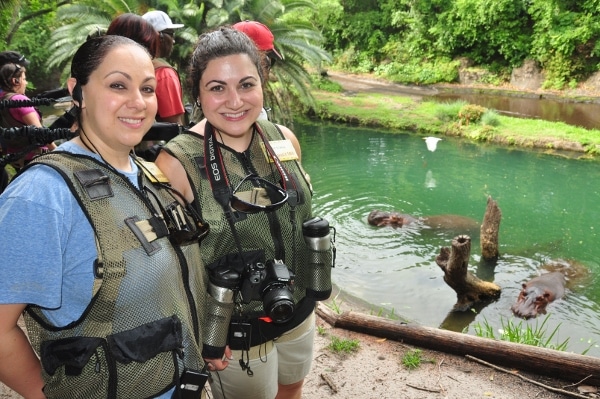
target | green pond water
x=550, y=210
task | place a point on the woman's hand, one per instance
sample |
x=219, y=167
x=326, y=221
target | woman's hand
x=219, y=364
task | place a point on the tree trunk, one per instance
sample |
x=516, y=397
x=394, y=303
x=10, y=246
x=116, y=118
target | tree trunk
x=489, y=231
x=469, y=289
x=541, y=361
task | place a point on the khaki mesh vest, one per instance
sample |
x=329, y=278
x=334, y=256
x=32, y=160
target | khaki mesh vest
x=278, y=233
x=141, y=327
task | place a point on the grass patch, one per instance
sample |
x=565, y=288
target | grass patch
x=535, y=335
x=335, y=305
x=340, y=345
x=490, y=118
x=413, y=359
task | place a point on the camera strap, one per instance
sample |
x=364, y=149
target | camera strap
x=217, y=177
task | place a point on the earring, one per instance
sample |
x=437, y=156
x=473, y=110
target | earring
x=197, y=103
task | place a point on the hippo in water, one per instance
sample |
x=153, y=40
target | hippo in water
x=537, y=293
x=392, y=219
x=438, y=222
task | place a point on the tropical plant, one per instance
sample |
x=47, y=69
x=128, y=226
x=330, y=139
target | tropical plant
x=80, y=20
x=301, y=46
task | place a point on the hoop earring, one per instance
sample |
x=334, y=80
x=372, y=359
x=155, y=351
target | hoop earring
x=197, y=104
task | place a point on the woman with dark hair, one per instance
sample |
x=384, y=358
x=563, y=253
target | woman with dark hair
x=92, y=257
x=245, y=177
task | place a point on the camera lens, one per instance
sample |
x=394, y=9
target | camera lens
x=278, y=303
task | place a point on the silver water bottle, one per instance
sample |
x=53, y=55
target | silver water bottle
x=321, y=257
x=219, y=308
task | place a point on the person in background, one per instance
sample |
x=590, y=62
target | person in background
x=265, y=42
x=91, y=256
x=137, y=29
x=168, y=90
x=246, y=178
x=12, y=57
x=8, y=57
x=13, y=82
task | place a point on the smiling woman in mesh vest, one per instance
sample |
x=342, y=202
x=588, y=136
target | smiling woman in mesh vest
x=245, y=177
x=91, y=255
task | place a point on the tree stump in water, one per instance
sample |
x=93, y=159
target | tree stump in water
x=469, y=289
x=489, y=231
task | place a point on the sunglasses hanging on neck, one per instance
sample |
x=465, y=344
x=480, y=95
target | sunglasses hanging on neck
x=262, y=196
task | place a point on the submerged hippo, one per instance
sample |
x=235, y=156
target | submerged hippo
x=392, y=219
x=537, y=293
x=439, y=222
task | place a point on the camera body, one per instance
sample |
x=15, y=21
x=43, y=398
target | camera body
x=273, y=283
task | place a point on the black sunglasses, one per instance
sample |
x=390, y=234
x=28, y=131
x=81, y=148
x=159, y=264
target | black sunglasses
x=260, y=187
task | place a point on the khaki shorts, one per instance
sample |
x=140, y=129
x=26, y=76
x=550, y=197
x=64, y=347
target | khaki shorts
x=285, y=360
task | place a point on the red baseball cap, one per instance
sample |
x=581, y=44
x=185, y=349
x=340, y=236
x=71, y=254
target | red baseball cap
x=260, y=34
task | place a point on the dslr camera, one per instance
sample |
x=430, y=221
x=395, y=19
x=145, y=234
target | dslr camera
x=272, y=283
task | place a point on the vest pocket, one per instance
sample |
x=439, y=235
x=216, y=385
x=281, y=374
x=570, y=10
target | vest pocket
x=75, y=368
x=141, y=362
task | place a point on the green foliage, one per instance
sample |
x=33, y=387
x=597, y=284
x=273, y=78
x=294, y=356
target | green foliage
x=409, y=41
x=471, y=113
x=353, y=60
x=483, y=133
x=341, y=345
x=565, y=39
x=484, y=30
x=447, y=112
x=323, y=83
x=416, y=72
x=416, y=42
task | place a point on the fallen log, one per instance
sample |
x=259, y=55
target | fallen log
x=469, y=288
x=541, y=361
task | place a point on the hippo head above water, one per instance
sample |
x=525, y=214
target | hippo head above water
x=537, y=293
x=392, y=219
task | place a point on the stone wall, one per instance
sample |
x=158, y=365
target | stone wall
x=527, y=77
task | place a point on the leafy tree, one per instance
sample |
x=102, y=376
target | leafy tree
x=566, y=39
x=486, y=31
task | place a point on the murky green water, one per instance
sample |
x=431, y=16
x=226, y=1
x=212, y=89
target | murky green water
x=550, y=210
